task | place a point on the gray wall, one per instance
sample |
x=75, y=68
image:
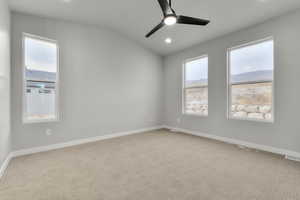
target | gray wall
x=285, y=132
x=4, y=81
x=108, y=83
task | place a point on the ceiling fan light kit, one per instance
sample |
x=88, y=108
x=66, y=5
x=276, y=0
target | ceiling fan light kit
x=170, y=18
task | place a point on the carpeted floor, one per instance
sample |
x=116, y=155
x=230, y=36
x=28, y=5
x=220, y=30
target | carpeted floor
x=157, y=165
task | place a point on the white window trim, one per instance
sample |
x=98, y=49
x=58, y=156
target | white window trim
x=229, y=116
x=183, y=86
x=57, y=107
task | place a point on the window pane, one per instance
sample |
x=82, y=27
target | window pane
x=196, y=100
x=40, y=58
x=40, y=55
x=251, y=79
x=196, y=72
x=196, y=90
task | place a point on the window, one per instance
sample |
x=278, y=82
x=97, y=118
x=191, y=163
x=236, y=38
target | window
x=40, y=79
x=195, y=86
x=250, y=77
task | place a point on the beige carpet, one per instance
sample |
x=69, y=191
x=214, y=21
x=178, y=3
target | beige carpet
x=158, y=165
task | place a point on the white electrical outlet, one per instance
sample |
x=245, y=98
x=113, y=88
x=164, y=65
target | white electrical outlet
x=48, y=132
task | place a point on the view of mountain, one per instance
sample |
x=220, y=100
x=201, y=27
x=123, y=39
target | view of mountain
x=256, y=76
x=196, y=83
x=40, y=75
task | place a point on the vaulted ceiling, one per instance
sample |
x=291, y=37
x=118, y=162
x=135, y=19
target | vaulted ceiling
x=134, y=18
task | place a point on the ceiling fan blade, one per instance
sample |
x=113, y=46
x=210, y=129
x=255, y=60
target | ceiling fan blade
x=191, y=20
x=156, y=28
x=166, y=8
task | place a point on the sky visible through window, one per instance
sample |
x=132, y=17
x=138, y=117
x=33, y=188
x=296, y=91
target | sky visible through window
x=196, y=69
x=258, y=57
x=40, y=55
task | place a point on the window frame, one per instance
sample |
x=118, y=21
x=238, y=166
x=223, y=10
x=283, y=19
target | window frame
x=183, y=99
x=229, y=94
x=25, y=120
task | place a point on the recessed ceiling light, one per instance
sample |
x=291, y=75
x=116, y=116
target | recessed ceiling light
x=168, y=40
x=67, y=1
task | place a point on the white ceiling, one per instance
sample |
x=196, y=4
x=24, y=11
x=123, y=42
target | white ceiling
x=134, y=18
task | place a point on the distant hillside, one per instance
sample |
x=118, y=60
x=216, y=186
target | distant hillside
x=264, y=75
x=257, y=76
x=196, y=83
x=40, y=75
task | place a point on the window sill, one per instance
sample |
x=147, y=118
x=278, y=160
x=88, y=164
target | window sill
x=194, y=115
x=40, y=121
x=271, y=121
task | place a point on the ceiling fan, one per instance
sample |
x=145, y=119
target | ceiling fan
x=170, y=18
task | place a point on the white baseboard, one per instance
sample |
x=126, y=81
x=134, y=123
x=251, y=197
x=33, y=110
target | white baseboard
x=4, y=166
x=291, y=155
x=69, y=144
x=80, y=141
